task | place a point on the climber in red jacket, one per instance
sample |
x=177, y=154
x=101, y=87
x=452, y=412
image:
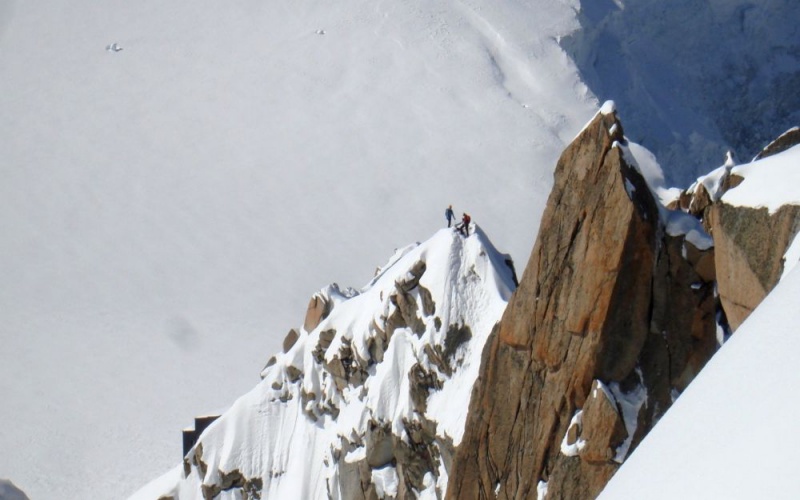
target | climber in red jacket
x=463, y=227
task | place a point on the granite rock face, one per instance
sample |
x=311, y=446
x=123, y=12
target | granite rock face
x=607, y=299
x=750, y=244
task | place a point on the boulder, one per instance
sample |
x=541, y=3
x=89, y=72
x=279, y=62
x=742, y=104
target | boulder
x=290, y=339
x=406, y=314
x=293, y=373
x=380, y=445
x=415, y=456
x=325, y=339
x=319, y=308
x=411, y=281
x=421, y=381
x=355, y=478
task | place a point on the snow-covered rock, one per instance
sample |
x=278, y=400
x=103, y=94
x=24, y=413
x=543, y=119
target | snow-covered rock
x=753, y=212
x=373, y=399
x=754, y=225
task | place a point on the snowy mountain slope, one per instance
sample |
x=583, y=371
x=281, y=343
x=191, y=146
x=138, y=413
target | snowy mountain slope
x=168, y=208
x=399, y=357
x=727, y=436
x=694, y=78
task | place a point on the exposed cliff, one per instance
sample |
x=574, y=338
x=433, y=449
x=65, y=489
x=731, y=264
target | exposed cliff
x=614, y=315
x=720, y=439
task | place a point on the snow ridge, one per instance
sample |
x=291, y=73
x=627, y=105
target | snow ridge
x=389, y=364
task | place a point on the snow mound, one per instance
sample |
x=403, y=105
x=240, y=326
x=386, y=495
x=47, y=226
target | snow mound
x=387, y=365
x=770, y=183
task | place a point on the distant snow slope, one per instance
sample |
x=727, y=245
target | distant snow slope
x=166, y=210
x=315, y=409
x=731, y=433
x=694, y=78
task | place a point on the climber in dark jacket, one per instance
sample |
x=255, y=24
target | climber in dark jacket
x=449, y=215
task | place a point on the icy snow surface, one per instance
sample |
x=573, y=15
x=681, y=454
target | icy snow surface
x=731, y=433
x=294, y=445
x=168, y=209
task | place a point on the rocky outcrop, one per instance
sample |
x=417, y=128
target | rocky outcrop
x=247, y=488
x=607, y=299
x=370, y=379
x=190, y=436
x=786, y=140
x=750, y=244
x=318, y=309
x=290, y=339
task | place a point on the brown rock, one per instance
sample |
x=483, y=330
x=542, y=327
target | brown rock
x=411, y=282
x=380, y=445
x=787, y=140
x=750, y=244
x=318, y=309
x=602, y=428
x=573, y=433
x=290, y=340
x=590, y=306
x=416, y=457
x=421, y=382
x=325, y=339
x=682, y=320
x=456, y=336
x=407, y=309
x=293, y=373
x=355, y=479
x=731, y=181
x=575, y=317
x=428, y=305
x=346, y=367
x=702, y=262
x=700, y=201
